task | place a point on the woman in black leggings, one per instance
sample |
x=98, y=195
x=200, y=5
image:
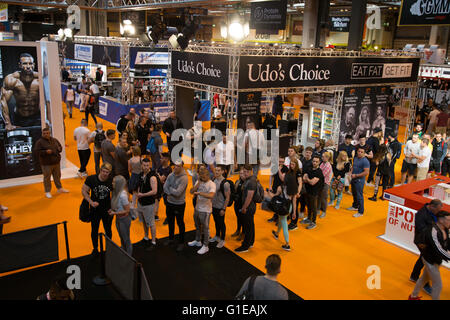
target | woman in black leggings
x=90, y=109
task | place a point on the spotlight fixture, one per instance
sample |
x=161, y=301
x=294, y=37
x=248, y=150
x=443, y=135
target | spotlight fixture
x=66, y=34
x=183, y=38
x=237, y=30
x=127, y=28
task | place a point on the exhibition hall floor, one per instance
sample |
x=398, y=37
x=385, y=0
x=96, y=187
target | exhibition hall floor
x=328, y=262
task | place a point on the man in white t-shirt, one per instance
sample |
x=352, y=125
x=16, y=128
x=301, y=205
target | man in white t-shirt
x=409, y=165
x=423, y=160
x=225, y=154
x=81, y=136
x=292, y=155
x=96, y=92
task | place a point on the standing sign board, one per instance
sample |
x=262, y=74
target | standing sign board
x=424, y=12
x=248, y=108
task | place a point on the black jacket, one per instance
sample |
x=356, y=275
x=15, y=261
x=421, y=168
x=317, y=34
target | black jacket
x=436, y=248
x=374, y=144
x=168, y=125
x=122, y=124
x=395, y=148
x=423, y=220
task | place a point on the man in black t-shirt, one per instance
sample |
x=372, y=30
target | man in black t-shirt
x=248, y=209
x=347, y=147
x=365, y=146
x=306, y=165
x=374, y=143
x=313, y=179
x=97, y=191
x=162, y=172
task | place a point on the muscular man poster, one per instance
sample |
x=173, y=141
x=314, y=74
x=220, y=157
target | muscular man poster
x=20, y=94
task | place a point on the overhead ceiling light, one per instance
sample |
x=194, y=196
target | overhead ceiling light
x=236, y=31
x=299, y=5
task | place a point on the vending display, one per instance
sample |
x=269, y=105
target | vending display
x=327, y=125
x=321, y=121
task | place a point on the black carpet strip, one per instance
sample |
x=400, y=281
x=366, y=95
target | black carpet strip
x=172, y=275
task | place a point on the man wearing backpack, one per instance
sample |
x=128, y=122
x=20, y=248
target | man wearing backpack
x=220, y=202
x=265, y=287
x=97, y=137
x=250, y=196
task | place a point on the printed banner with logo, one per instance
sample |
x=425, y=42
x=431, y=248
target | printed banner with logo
x=276, y=72
x=249, y=104
x=104, y=55
x=363, y=110
x=140, y=56
x=400, y=226
x=424, y=12
x=340, y=24
x=268, y=15
x=209, y=69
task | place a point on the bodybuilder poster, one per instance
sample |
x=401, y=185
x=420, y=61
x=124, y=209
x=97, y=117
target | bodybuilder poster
x=20, y=123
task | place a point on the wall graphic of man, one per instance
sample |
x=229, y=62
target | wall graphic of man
x=23, y=85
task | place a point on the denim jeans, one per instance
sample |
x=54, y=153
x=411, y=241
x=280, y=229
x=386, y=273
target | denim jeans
x=357, y=191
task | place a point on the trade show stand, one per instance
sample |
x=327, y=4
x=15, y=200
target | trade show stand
x=110, y=109
x=404, y=202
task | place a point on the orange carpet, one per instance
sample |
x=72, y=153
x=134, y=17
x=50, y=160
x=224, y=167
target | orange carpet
x=328, y=262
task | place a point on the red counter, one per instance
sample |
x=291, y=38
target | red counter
x=404, y=202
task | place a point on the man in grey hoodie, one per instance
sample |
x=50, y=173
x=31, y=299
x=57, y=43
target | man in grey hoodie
x=175, y=189
x=158, y=142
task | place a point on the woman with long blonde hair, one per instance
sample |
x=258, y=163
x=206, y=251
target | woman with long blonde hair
x=120, y=207
x=340, y=168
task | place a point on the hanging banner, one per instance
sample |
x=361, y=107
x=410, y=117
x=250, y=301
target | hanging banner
x=278, y=72
x=83, y=52
x=20, y=120
x=104, y=55
x=268, y=15
x=363, y=110
x=424, y=12
x=209, y=69
x=140, y=56
x=249, y=104
x=340, y=24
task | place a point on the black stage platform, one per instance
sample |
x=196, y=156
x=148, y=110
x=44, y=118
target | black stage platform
x=217, y=275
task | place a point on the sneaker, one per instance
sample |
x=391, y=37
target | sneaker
x=273, y=219
x=151, y=246
x=241, y=249
x=275, y=235
x=84, y=175
x=286, y=247
x=331, y=204
x=62, y=190
x=194, y=243
x=372, y=198
x=323, y=215
x=348, y=192
x=79, y=174
x=292, y=227
x=312, y=225
x=427, y=289
x=156, y=218
x=94, y=253
x=305, y=221
x=382, y=198
x=215, y=239
x=220, y=244
x=48, y=195
x=413, y=280
x=352, y=209
x=180, y=247
x=236, y=234
x=397, y=185
x=166, y=222
x=240, y=237
x=203, y=250
x=414, y=298
x=357, y=215
x=337, y=207
x=144, y=242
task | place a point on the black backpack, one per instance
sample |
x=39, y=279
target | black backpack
x=160, y=191
x=232, y=191
x=99, y=137
x=280, y=205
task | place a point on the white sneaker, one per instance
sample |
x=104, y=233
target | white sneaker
x=62, y=190
x=357, y=215
x=48, y=195
x=203, y=250
x=221, y=244
x=84, y=174
x=194, y=243
x=352, y=209
x=79, y=174
x=215, y=239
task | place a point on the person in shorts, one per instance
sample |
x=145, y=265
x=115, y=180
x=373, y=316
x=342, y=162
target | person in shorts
x=148, y=188
x=409, y=165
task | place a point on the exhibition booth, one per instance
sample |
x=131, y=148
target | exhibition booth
x=342, y=92
x=405, y=201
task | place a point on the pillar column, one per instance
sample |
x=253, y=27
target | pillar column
x=310, y=23
x=322, y=23
x=357, y=20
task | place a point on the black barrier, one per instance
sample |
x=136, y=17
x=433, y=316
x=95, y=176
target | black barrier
x=32, y=247
x=124, y=272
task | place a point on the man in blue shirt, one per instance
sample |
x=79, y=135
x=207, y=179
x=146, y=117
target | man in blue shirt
x=360, y=170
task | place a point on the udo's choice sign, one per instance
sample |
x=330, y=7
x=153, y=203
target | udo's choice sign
x=209, y=69
x=400, y=226
x=276, y=72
